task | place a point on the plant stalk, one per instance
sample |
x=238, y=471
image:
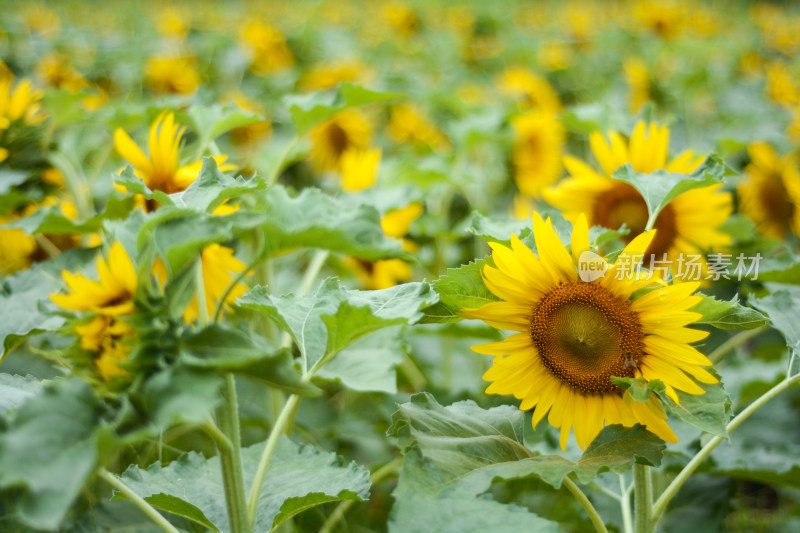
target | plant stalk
x=625, y=505
x=642, y=499
x=594, y=516
x=661, y=504
x=734, y=342
x=138, y=501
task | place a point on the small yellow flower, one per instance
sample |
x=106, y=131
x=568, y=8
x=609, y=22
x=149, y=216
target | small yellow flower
x=409, y=124
x=770, y=193
x=346, y=130
x=360, y=168
x=267, y=46
x=536, y=153
x=574, y=335
x=161, y=169
x=112, y=294
x=172, y=75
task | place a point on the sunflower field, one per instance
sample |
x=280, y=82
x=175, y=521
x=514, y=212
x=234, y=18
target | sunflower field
x=408, y=266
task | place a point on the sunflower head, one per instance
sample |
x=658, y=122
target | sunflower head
x=536, y=153
x=573, y=336
x=172, y=75
x=346, y=130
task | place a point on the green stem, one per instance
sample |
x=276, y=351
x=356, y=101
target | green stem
x=272, y=441
x=380, y=474
x=282, y=161
x=688, y=470
x=599, y=526
x=734, y=342
x=137, y=500
x=228, y=419
x=642, y=499
x=625, y=505
x=221, y=440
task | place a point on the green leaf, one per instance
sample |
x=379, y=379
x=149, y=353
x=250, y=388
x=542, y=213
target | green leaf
x=782, y=307
x=313, y=219
x=461, y=287
x=135, y=185
x=463, y=448
x=213, y=187
x=223, y=348
x=212, y=121
x=496, y=229
x=334, y=317
x=369, y=364
x=25, y=297
x=728, y=314
x=709, y=412
x=16, y=390
x=659, y=187
x=51, y=220
x=309, y=110
x=49, y=450
x=181, y=395
x=298, y=477
x=463, y=514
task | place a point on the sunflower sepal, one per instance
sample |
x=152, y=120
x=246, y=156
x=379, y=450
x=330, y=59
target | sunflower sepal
x=660, y=187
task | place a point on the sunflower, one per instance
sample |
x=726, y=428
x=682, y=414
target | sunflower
x=408, y=124
x=111, y=295
x=346, y=130
x=57, y=71
x=536, y=153
x=172, y=74
x=109, y=338
x=21, y=103
x=534, y=91
x=267, y=46
x=573, y=336
x=360, y=168
x=16, y=249
x=640, y=85
x=770, y=192
x=329, y=75
x=689, y=224
x=161, y=170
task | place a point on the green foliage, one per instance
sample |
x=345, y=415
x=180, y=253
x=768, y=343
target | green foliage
x=50, y=450
x=460, y=288
x=324, y=324
x=298, y=478
x=782, y=306
x=728, y=314
x=212, y=121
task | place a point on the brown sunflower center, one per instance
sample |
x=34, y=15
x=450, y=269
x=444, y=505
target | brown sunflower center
x=584, y=335
x=337, y=138
x=623, y=204
x=775, y=199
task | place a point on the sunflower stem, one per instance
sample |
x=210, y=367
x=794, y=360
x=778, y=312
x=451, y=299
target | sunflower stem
x=137, y=500
x=594, y=516
x=228, y=419
x=661, y=504
x=625, y=505
x=642, y=499
x=734, y=342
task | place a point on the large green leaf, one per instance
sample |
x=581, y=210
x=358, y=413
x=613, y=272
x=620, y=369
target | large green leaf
x=309, y=110
x=212, y=121
x=213, y=187
x=659, y=187
x=496, y=229
x=51, y=220
x=181, y=395
x=49, y=450
x=463, y=448
x=223, y=348
x=782, y=306
x=728, y=314
x=463, y=514
x=16, y=390
x=367, y=365
x=313, y=219
x=298, y=477
x=25, y=297
x=461, y=287
x=334, y=317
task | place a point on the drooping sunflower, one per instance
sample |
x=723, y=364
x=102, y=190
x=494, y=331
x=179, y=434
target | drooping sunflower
x=770, y=192
x=688, y=225
x=573, y=336
x=346, y=130
x=536, y=153
x=161, y=170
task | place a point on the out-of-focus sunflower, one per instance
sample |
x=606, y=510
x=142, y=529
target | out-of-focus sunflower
x=409, y=124
x=346, y=130
x=251, y=134
x=666, y=19
x=781, y=85
x=534, y=91
x=16, y=249
x=770, y=192
x=329, y=75
x=267, y=46
x=359, y=168
x=38, y=18
x=573, y=336
x=109, y=338
x=172, y=74
x=402, y=18
x=536, y=153
x=21, y=103
x=161, y=170
x=173, y=22
x=689, y=224
x=57, y=71
x=639, y=83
